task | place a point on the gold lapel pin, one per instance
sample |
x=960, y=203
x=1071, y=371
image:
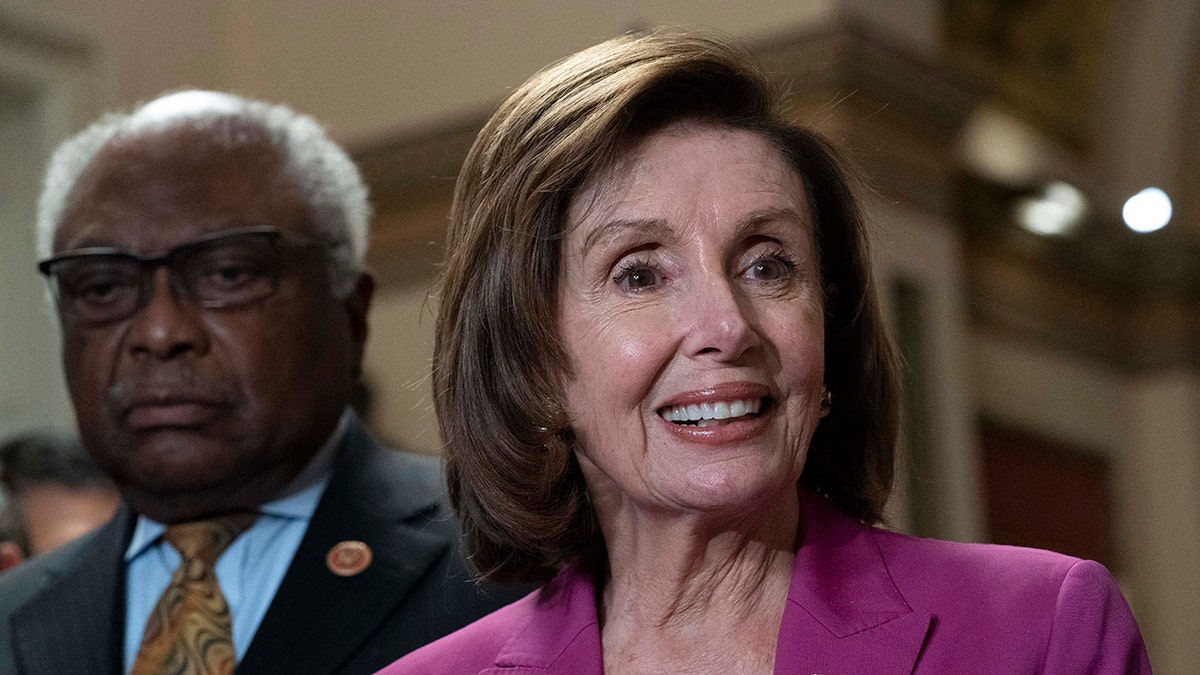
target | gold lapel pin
x=348, y=558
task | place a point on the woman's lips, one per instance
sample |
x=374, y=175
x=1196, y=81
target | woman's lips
x=725, y=432
x=726, y=413
x=716, y=412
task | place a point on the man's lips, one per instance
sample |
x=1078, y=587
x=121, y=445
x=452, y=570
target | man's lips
x=167, y=409
x=171, y=414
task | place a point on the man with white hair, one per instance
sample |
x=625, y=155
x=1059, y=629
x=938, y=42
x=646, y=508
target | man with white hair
x=206, y=256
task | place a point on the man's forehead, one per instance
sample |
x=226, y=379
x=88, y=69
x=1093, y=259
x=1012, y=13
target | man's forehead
x=183, y=144
x=149, y=191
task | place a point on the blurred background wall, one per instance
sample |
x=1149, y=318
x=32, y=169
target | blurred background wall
x=1053, y=354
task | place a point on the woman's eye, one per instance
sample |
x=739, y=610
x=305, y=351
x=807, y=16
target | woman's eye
x=637, y=277
x=772, y=267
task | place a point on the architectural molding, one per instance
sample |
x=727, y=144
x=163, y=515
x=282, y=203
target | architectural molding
x=1130, y=301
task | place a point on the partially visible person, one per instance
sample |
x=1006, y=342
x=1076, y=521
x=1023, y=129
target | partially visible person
x=667, y=392
x=207, y=259
x=53, y=493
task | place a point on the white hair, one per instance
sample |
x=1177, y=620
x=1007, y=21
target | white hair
x=326, y=177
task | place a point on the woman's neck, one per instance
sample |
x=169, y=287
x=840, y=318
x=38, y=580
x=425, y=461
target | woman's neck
x=696, y=591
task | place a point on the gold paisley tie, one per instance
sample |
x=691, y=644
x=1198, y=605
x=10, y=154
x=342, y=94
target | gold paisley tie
x=190, y=631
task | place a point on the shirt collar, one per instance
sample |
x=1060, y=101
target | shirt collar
x=298, y=502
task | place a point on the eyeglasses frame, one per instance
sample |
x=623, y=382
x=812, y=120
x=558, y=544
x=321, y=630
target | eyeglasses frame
x=149, y=263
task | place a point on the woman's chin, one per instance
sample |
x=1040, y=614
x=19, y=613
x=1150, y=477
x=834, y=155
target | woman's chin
x=725, y=493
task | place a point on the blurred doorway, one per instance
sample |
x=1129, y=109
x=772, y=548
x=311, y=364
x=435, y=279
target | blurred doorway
x=1047, y=495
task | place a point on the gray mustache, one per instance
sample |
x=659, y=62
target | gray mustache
x=179, y=386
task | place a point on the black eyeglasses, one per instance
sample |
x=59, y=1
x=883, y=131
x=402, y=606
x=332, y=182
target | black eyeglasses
x=227, y=268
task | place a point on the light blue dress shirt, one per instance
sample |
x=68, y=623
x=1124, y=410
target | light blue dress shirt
x=249, y=571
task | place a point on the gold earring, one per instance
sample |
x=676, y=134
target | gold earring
x=826, y=403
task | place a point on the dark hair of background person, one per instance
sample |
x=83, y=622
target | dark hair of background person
x=498, y=360
x=37, y=459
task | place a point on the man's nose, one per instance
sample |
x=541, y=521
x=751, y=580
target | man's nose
x=166, y=325
x=722, y=321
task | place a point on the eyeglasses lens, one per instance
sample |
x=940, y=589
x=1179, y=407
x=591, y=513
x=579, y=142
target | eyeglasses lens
x=98, y=288
x=222, y=272
x=230, y=272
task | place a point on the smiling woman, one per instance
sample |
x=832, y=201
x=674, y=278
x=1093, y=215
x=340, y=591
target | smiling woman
x=666, y=390
x=701, y=294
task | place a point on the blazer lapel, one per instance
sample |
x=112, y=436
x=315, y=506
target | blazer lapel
x=844, y=613
x=76, y=625
x=317, y=619
x=562, y=635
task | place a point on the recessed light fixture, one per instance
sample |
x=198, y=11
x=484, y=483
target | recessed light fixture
x=1147, y=211
x=1056, y=211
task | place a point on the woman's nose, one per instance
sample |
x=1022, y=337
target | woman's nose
x=721, y=322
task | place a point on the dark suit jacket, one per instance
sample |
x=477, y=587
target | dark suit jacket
x=63, y=613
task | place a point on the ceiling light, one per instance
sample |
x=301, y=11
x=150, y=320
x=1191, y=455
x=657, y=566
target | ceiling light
x=1056, y=211
x=1147, y=211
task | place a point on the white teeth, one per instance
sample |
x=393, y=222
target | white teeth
x=719, y=410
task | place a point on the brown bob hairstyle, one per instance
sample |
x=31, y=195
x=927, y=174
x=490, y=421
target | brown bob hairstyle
x=498, y=359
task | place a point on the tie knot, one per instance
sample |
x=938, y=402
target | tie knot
x=205, y=540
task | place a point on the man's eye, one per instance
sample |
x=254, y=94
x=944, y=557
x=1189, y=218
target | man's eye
x=98, y=291
x=229, y=273
x=98, y=287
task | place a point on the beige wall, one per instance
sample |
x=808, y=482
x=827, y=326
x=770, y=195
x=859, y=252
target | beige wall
x=375, y=67
x=397, y=366
x=1158, y=495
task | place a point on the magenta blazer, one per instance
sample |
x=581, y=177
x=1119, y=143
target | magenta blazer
x=862, y=600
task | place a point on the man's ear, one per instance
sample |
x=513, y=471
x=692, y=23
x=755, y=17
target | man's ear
x=358, y=304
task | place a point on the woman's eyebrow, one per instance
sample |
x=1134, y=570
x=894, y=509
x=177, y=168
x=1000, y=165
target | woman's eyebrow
x=755, y=219
x=656, y=228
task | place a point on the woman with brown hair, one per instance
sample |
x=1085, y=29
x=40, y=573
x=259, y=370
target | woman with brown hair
x=666, y=390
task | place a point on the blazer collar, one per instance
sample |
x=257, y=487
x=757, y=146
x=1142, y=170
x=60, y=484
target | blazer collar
x=317, y=619
x=562, y=632
x=844, y=612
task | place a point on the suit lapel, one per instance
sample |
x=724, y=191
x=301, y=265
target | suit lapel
x=76, y=625
x=844, y=613
x=317, y=619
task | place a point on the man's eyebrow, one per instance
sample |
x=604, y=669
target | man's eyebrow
x=655, y=227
